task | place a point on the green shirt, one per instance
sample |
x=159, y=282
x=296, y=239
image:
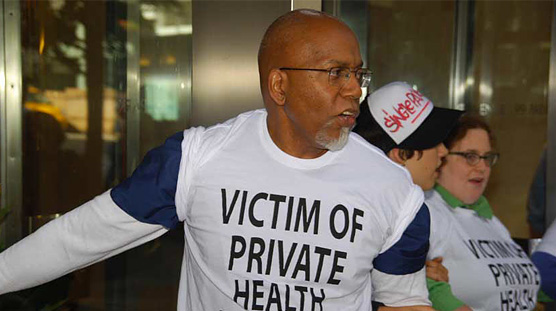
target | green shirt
x=481, y=207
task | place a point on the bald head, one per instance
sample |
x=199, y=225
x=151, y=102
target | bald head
x=284, y=28
x=293, y=39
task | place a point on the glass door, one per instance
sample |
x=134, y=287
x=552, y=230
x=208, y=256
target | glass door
x=101, y=82
x=509, y=74
x=486, y=57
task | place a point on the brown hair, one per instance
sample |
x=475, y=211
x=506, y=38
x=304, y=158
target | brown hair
x=465, y=123
x=407, y=154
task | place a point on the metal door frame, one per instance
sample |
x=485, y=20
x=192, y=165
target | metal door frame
x=11, y=114
x=133, y=90
x=462, y=50
x=551, y=129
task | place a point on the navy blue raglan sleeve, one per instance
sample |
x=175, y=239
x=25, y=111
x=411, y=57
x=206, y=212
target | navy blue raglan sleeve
x=399, y=272
x=544, y=259
x=546, y=264
x=149, y=194
x=409, y=254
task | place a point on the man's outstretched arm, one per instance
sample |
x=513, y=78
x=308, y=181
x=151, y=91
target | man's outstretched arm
x=90, y=233
x=136, y=211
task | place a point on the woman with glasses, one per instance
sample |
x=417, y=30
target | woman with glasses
x=488, y=271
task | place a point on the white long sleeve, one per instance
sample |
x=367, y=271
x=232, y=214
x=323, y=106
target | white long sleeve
x=400, y=290
x=88, y=234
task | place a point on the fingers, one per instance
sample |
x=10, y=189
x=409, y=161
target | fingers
x=432, y=264
x=436, y=271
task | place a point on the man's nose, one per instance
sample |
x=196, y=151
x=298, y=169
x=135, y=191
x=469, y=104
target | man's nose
x=352, y=88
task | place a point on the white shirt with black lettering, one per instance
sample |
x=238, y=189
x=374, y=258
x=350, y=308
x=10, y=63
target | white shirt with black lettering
x=487, y=269
x=269, y=231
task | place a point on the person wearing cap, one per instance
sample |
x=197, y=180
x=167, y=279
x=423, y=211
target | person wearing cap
x=488, y=270
x=407, y=127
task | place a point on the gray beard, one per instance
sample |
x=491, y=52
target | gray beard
x=332, y=144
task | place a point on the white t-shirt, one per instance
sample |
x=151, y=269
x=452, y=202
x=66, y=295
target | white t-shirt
x=488, y=271
x=263, y=230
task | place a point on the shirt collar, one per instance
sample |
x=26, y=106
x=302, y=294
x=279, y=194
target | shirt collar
x=481, y=207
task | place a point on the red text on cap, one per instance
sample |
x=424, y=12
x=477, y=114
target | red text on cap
x=404, y=111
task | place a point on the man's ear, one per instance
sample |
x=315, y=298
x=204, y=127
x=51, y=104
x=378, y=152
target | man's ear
x=395, y=156
x=277, y=86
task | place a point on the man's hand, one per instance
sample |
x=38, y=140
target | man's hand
x=436, y=271
x=408, y=308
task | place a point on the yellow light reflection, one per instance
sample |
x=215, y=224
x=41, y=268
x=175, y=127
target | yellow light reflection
x=41, y=42
x=170, y=60
x=144, y=62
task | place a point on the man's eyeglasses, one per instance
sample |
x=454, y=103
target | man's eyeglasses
x=473, y=159
x=339, y=76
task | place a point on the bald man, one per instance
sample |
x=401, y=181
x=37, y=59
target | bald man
x=283, y=208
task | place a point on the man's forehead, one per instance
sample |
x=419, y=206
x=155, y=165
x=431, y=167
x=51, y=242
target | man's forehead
x=331, y=47
x=342, y=63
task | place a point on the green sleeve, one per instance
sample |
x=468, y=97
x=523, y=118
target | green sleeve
x=542, y=297
x=440, y=294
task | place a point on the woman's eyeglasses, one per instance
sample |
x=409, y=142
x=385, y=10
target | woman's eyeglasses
x=473, y=159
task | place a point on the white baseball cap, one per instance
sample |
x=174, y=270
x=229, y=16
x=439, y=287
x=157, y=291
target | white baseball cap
x=409, y=119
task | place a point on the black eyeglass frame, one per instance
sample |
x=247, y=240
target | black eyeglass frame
x=361, y=79
x=473, y=159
